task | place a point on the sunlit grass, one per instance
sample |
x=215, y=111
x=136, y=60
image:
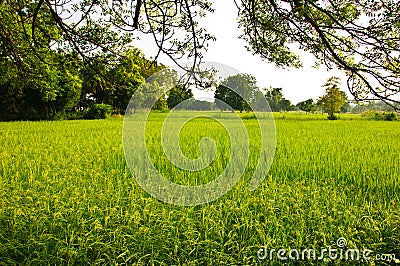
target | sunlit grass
x=67, y=197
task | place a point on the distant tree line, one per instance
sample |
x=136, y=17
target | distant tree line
x=333, y=101
x=378, y=106
x=71, y=89
x=246, y=85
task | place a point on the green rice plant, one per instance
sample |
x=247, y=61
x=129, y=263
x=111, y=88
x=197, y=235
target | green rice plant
x=68, y=197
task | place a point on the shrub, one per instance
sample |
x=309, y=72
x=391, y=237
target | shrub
x=380, y=116
x=249, y=116
x=390, y=116
x=98, y=111
x=333, y=117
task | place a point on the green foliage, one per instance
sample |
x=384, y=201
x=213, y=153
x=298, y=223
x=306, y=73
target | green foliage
x=228, y=96
x=38, y=81
x=374, y=106
x=177, y=95
x=51, y=91
x=307, y=106
x=274, y=97
x=335, y=32
x=333, y=117
x=116, y=81
x=154, y=90
x=247, y=85
x=277, y=101
x=237, y=91
x=161, y=104
x=392, y=116
x=358, y=37
x=98, y=111
x=333, y=99
x=200, y=105
x=379, y=116
x=228, y=92
x=63, y=85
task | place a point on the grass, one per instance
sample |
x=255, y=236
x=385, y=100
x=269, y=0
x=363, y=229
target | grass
x=67, y=196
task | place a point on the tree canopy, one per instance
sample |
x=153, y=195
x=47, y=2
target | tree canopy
x=177, y=95
x=277, y=101
x=333, y=99
x=237, y=91
x=362, y=38
x=307, y=106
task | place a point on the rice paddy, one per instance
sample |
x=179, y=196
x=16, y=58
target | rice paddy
x=68, y=197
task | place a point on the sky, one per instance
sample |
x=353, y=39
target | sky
x=297, y=84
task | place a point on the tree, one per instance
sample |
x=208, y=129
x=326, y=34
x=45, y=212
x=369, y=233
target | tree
x=372, y=106
x=37, y=80
x=276, y=100
x=45, y=59
x=228, y=96
x=307, y=106
x=50, y=97
x=286, y=105
x=161, y=104
x=237, y=92
x=94, y=28
x=333, y=99
x=346, y=106
x=152, y=93
x=200, y=105
x=359, y=37
x=274, y=97
x=115, y=82
x=177, y=95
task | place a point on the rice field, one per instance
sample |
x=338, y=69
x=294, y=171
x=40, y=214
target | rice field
x=67, y=195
